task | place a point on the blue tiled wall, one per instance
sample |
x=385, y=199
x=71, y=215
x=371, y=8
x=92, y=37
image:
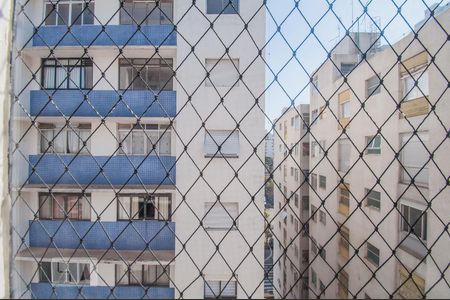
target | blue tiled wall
x=117, y=170
x=72, y=103
x=99, y=235
x=87, y=35
x=45, y=291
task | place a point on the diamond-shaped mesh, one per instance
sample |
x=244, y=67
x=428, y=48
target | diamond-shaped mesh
x=230, y=149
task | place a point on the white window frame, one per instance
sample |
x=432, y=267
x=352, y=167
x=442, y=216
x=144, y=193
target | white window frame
x=209, y=138
x=376, y=256
x=423, y=222
x=412, y=93
x=70, y=3
x=404, y=177
x=125, y=135
x=222, y=286
x=373, y=144
x=373, y=86
x=76, y=278
x=371, y=198
x=63, y=131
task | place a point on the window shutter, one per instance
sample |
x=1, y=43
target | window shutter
x=220, y=216
x=212, y=289
x=222, y=73
x=413, y=63
x=227, y=139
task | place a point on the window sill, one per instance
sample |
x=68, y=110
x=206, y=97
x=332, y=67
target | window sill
x=220, y=156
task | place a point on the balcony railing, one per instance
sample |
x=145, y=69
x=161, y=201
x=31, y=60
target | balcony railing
x=120, y=170
x=103, y=103
x=109, y=35
x=121, y=235
x=65, y=291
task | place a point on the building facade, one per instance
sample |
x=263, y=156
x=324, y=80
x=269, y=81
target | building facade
x=377, y=216
x=119, y=131
x=291, y=203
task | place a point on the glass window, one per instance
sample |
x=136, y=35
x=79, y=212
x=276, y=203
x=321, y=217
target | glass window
x=373, y=254
x=153, y=139
x=221, y=215
x=305, y=202
x=373, y=144
x=313, y=278
x=145, y=275
x=221, y=143
x=346, y=68
x=322, y=182
x=344, y=109
x=413, y=158
x=64, y=273
x=58, y=206
x=65, y=73
x=410, y=90
x=222, y=6
x=146, y=74
x=220, y=289
x=373, y=86
x=322, y=217
x=305, y=120
x=373, y=199
x=141, y=207
x=314, y=213
x=314, y=116
x=305, y=148
x=146, y=12
x=69, y=12
x=344, y=148
x=64, y=139
x=414, y=221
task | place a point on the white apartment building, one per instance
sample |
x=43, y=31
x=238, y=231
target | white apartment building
x=126, y=146
x=360, y=189
x=291, y=203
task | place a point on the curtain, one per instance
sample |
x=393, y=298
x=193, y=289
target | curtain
x=49, y=77
x=164, y=207
x=73, y=141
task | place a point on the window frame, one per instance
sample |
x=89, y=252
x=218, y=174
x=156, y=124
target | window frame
x=87, y=7
x=165, y=271
x=135, y=65
x=409, y=95
x=371, y=254
x=146, y=130
x=86, y=66
x=218, y=153
x=373, y=89
x=322, y=182
x=150, y=198
x=51, y=197
x=63, y=131
x=226, y=8
x=228, y=215
x=370, y=200
x=221, y=289
x=167, y=21
x=371, y=143
x=423, y=220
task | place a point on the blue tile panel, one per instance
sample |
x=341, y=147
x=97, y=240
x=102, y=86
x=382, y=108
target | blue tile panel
x=103, y=103
x=93, y=35
x=101, y=170
x=122, y=235
x=65, y=291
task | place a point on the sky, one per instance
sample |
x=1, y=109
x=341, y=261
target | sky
x=294, y=32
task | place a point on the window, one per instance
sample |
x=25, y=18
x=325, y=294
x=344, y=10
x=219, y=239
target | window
x=65, y=139
x=344, y=110
x=222, y=73
x=346, y=68
x=143, y=139
x=69, y=12
x=373, y=86
x=64, y=273
x=322, y=217
x=222, y=6
x=297, y=174
x=344, y=149
x=415, y=218
x=322, y=287
x=322, y=182
x=313, y=277
x=323, y=253
x=373, y=254
x=292, y=122
x=344, y=243
x=146, y=12
x=144, y=207
x=373, y=199
x=321, y=148
x=323, y=112
x=220, y=215
x=143, y=74
x=144, y=275
x=343, y=284
x=221, y=143
x=297, y=122
x=296, y=200
x=314, y=115
x=344, y=199
x=305, y=256
x=314, y=181
x=305, y=149
x=410, y=90
x=67, y=73
x=305, y=202
x=305, y=120
x=373, y=144
x=413, y=157
x=313, y=246
x=314, y=213
x=296, y=150
x=292, y=171
x=58, y=206
x=314, y=149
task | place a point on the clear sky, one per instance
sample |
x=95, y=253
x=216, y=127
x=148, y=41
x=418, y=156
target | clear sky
x=294, y=31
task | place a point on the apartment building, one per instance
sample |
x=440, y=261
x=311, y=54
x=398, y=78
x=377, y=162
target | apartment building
x=390, y=212
x=119, y=132
x=291, y=203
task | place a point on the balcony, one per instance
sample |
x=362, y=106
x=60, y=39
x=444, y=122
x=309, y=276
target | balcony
x=111, y=35
x=103, y=103
x=122, y=235
x=101, y=171
x=65, y=291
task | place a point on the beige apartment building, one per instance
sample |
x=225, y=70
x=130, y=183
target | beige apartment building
x=291, y=203
x=377, y=216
